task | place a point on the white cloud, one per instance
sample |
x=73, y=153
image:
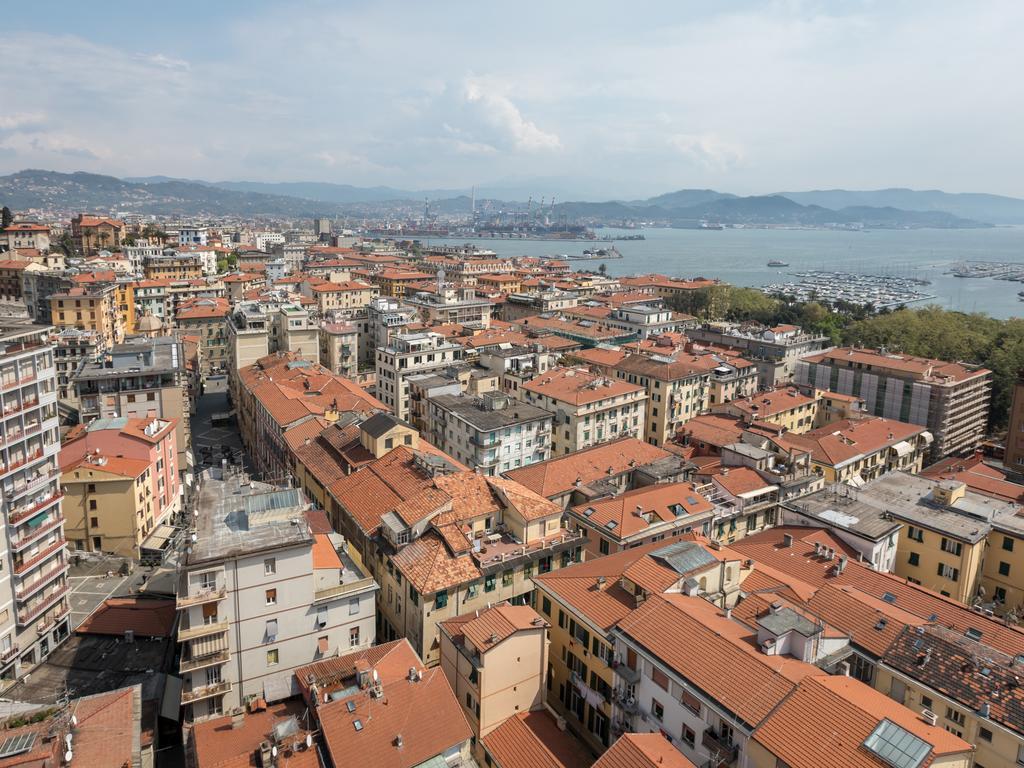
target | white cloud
x=707, y=150
x=21, y=120
x=499, y=111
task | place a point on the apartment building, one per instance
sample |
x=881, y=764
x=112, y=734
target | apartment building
x=25, y=234
x=776, y=351
x=405, y=355
x=34, y=619
x=121, y=483
x=646, y=320
x=142, y=378
x=495, y=661
x=492, y=433
x=1014, y=455
x=641, y=516
x=175, y=265
x=207, y=319
x=588, y=408
x=339, y=348
x=396, y=283
x=344, y=298
x=855, y=451
x=91, y=308
x=527, y=304
x=787, y=406
x=38, y=284
x=452, y=305
x=93, y=234
x=444, y=541
x=733, y=378
x=950, y=399
x=677, y=387
x=265, y=589
x=73, y=348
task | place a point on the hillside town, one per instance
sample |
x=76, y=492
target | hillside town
x=300, y=497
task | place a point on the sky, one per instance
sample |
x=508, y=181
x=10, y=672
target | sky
x=588, y=99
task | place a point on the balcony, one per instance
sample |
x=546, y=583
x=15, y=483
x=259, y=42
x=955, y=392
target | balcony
x=27, y=565
x=9, y=655
x=202, y=630
x=25, y=591
x=29, y=615
x=34, y=534
x=11, y=409
x=205, y=692
x=200, y=597
x=6, y=469
x=201, y=662
x=722, y=753
x=21, y=513
x=494, y=443
x=631, y=676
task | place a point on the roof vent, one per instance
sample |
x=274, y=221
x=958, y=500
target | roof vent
x=787, y=540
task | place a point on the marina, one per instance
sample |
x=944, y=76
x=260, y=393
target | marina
x=998, y=270
x=875, y=291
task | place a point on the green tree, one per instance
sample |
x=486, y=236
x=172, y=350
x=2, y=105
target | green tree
x=6, y=217
x=603, y=269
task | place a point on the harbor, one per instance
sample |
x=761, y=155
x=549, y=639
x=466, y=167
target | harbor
x=829, y=287
x=997, y=270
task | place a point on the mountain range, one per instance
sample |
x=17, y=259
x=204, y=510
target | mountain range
x=163, y=195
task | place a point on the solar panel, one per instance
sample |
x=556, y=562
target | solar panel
x=897, y=746
x=16, y=745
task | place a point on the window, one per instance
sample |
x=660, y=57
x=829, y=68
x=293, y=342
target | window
x=489, y=583
x=272, y=657
x=414, y=596
x=926, y=702
x=688, y=736
x=353, y=606
x=915, y=533
x=1004, y=569
x=507, y=578
x=269, y=566
x=92, y=489
x=949, y=572
x=657, y=710
x=94, y=522
x=955, y=717
x=545, y=606
x=603, y=546
x=271, y=596
x=691, y=702
x=914, y=559
x=1007, y=543
x=271, y=630
x=561, y=619
x=441, y=599
x=389, y=442
x=471, y=590
x=985, y=734
x=353, y=637
x=951, y=546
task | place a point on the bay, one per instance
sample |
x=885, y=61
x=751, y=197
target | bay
x=740, y=257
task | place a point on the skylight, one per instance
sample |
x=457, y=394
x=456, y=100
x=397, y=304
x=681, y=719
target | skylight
x=889, y=597
x=588, y=511
x=610, y=525
x=897, y=746
x=357, y=724
x=973, y=634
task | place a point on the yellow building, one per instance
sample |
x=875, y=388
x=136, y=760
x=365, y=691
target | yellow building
x=677, y=390
x=340, y=297
x=788, y=407
x=859, y=450
x=92, y=308
x=584, y=603
x=174, y=268
x=1003, y=569
x=496, y=661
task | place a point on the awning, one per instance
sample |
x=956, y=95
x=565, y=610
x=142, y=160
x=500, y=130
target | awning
x=170, y=705
x=159, y=537
x=272, y=628
x=856, y=481
x=903, y=448
x=323, y=644
x=927, y=437
x=277, y=688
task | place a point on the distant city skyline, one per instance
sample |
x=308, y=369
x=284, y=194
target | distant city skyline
x=597, y=101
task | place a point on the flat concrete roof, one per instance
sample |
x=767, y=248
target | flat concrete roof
x=474, y=411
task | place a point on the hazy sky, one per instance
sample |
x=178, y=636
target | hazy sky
x=608, y=99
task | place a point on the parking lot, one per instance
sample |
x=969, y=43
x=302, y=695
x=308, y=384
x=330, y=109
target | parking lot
x=91, y=585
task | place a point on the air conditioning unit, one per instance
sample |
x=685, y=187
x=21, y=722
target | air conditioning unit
x=929, y=717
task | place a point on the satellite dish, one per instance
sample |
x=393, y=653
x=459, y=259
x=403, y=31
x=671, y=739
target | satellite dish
x=273, y=751
x=67, y=738
x=67, y=756
x=309, y=740
x=74, y=719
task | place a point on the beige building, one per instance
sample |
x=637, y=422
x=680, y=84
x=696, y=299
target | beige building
x=496, y=661
x=588, y=409
x=339, y=348
x=96, y=233
x=678, y=388
x=788, y=407
x=339, y=297
x=207, y=318
x=91, y=308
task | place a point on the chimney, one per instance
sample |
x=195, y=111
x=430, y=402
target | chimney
x=787, y=540
x=237, y=718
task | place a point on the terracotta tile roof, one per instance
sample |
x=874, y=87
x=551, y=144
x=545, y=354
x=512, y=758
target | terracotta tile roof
x=827, y=720
x=203, y=309
x=708, y=650
x=764, y=405
x=24, y=226
x=683, y=366
x=351, y=285
x=324, y=554
x=841, y=441
x=391, y=660
x=602, y=356
x=492, y=626
x=318, y=521
x=740, y=480
x=530, y=505
x=559, y=475
x=579, y=387
x=494, y=338
x=430, y=566
x=13, y=264
x=978, y=476
x=147, y=617
x=103, y=276
x=218, y=744
x=643, y=750
x=921, y=368
x=95, y=221
x=243, y=277
x=881, y=592
x=534, y=740
x=715, y=430
x=573, y=327
x=424, y=713
x=659, y=501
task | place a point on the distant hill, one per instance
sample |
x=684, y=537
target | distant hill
x=92, y=192
x=995, y=209
x=336, y=193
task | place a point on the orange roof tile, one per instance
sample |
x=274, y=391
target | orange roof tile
x=660, y=502
x=324, y=554
x=643, y=750
x=847, y=439
x=147, y=617
x=579, y=387
x=534, y=740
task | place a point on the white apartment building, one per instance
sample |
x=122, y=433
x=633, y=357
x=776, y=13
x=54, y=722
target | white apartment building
x=588, y=408
x=405, y=355
x=137, y=255
x=264, y=241
x=492, y=433
x=33, y=569
x=645, y=320
x=384, y=318
x=192, y=235
x=266, y=587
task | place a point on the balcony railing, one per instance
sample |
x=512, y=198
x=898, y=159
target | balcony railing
x=9, y=655
x=10, y=410
x=205, y=692
x=721, y=751
x=202, y=630
x=200, y=597
x=21, y=513
x=628, y=674
x=6, y=469
x=25, y=591
x=28, y=615
x=342, y=589
x=201, y=662
x=34, y=534
x=26, y=565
